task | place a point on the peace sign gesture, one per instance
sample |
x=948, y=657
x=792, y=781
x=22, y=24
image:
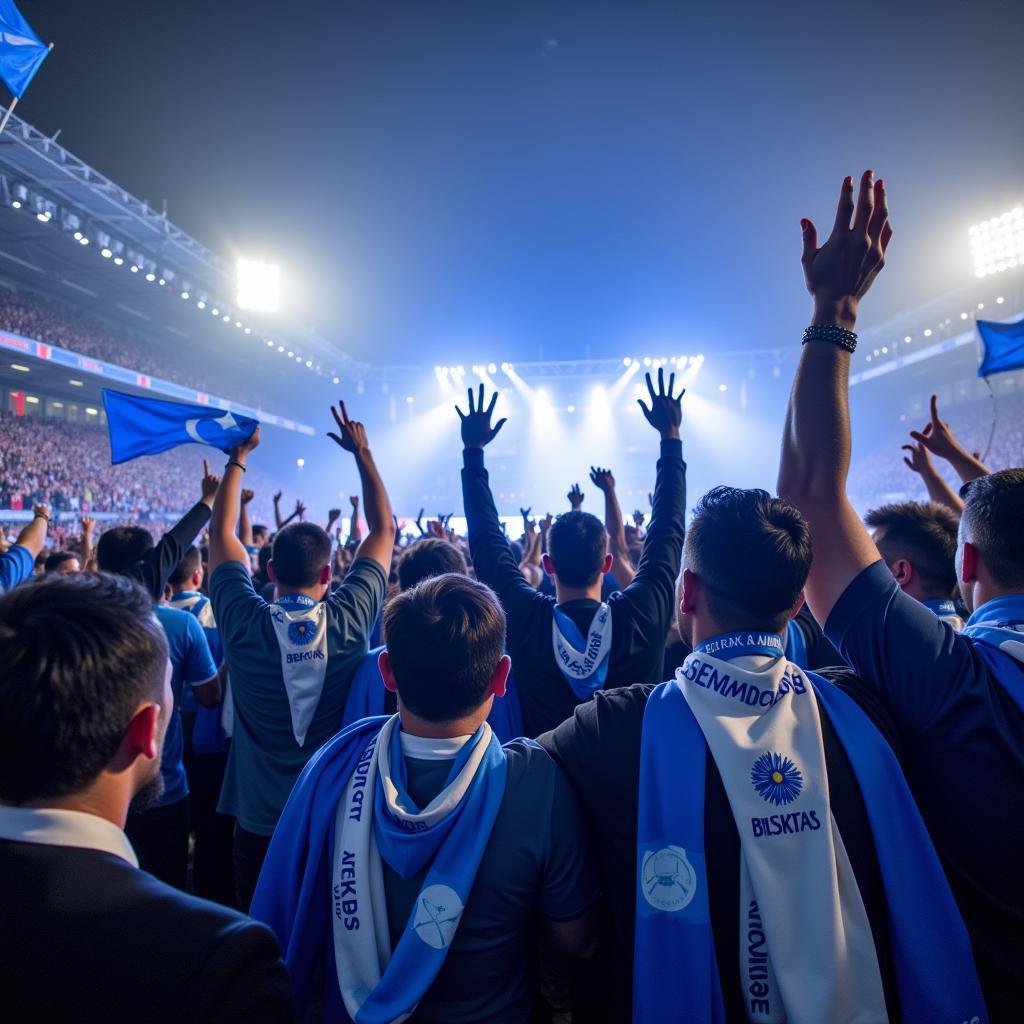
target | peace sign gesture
x=476, y=424
x=351, y=435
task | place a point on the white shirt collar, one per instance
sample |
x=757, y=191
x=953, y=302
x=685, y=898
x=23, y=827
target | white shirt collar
x=427, y=748
x=53, y=827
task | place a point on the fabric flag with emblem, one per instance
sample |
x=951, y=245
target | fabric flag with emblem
x=1002, y=347
x=21, y=50
x=148, y=426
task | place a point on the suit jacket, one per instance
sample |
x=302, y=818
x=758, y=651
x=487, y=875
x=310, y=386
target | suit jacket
x=86, y=936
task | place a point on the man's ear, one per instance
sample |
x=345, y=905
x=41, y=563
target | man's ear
x=142, y=737
x=969, y=563
x=549, y=566
x=499, y=680
x=270, y=570
x=384, y=664
x=607, y=565
x=902, y=571
x=795, y=610
x=689, y=593
x=325, y=575
x=197, y=578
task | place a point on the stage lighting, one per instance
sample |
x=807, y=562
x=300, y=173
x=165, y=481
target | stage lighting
x=997, y=244
x=999, y=301
x=151, y=277
x=300, y=463
x=927, y=332
x=908, y=339
x=626, y=361
x=647, y=360
x=184, y=295
x=491, y=368
x=336, y=380
x=570, y=408
x=106, y=253
x=200, y=304
x=723, y=387
x=259, y=286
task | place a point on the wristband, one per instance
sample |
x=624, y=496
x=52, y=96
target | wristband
x=235, y=462
x=41, y=515
x=833, y=334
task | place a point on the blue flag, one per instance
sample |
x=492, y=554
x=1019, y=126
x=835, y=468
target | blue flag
x=21, y=50
x=1003, y=346
x=148, y=426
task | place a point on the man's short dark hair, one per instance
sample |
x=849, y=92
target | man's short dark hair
x=993, y=520
x=80, y=653
x=429, y=556
x=752, y=553
x=191, y=561
x=121, y=547
x=300, y=552
x=445, y=638
x=57, y=559
x=924, y=533
x=258, y=530
x=578, y=544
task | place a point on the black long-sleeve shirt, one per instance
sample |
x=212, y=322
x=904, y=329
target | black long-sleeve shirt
x=153, y=570
x=641, y=614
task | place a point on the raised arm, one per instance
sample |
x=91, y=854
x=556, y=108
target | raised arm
x=622, y=565
x=33, y=537
x=355, y=531
x=244, y=523
x=816, y=443
x=88, y=547
x=278, y=521
x=379, y=543
x=940, y=440
x=224, y=544
x=938, y=490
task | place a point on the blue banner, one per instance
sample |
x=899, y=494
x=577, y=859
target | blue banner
x=1003, y=346
x=21, y=50
x=148, y=426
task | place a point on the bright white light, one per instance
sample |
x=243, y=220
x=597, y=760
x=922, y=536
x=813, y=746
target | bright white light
x=78, y=235
x=570, y=408
x=309, y=363
x=927, y=332
x=259, y=286
x=997, y=244
x=90, y=411
x=336, y=380
x=31, y=399
x=491, y=368
x=963, y=316
x=83, y=240
x=16, y=204
x=300, y=463
x=626, y=361
x=135, y=269
x=215, y=312
x=908, y=339
x=647, y=360
x=118, y=261
x=225, y=318
x=248, y=330
x=200, y=304
x=280, y=348
x=409, y=399
x=151, y=277
x=1000, y=300
x=723, y=387
x=184, y=295
x=270, y=344
x=77, y=383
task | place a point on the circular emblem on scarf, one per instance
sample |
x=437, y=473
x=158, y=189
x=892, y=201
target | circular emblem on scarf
x=667, y=878
x=776, y=779
x=302, y=632
x=438, y=909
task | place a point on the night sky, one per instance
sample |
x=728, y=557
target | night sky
x=448, y=182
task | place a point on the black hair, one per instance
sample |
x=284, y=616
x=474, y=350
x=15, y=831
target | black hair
x=752, y=553
x=993, y=521
x=258, y=529
x=80, y=653
x=57, y=559
x=429, y=556
x=300, y=552
x=190, y=562
x=445, y=638
x=578, y=544
x=121, y=547
x=925, y=534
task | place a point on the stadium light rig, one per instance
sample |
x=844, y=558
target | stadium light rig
x=259, y=286
x=997, y=244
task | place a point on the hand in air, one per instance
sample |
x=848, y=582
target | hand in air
x=602, y=479
x=575, y=497
x=839, y=273
x=477, y=431
x=210, y=482
x=920, y=461
x=351, y=434
x=666, y=411
x=937, y=436
x=247, y=495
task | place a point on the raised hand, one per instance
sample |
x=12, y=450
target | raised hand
x=332, y=515
x=666, y=411
x=525, y=512
x=477, y=431
x=277, y=497
x=209, y=483
x=638, y=519
x=247, y=495
x=545, y=523
x=920, y=461
x=839, y=273
x=937, y=436
x=351, y=435
x=354, y=500
x=575, y=497
x=88, y=525
x=602, y=479
x=249, y=444
x=300, y=510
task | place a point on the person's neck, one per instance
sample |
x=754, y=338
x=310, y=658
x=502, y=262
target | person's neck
x=109, y=801
x=985, y=592
x=564, y=594
x=464, y=726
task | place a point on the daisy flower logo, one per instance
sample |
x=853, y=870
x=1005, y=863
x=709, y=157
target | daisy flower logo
x=301, y=633
x=776, y=779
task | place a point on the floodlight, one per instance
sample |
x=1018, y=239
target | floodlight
x=997, y=244
x=259, y=286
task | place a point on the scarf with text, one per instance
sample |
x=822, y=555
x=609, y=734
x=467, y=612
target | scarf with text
x=806, y=948
x=997, y=629
x=300, y=625
x=583, y=661
x=945, y=609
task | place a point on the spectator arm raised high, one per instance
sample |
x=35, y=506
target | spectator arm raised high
x=244, y=522
x=938, y=490
x=355, y=529
x=17, y=563
x=939, y=439
x=224, y=544
x=622, y=565
x=817, y=439
x=379, y=543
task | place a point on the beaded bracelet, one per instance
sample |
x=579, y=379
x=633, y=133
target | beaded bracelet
x=235, y=462
x=832, y=333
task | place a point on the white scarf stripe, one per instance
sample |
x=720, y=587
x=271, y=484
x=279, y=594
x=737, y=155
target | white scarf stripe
x=302, y=639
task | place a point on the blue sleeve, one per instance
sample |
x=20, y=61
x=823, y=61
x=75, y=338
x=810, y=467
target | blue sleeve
x=915, y=663
x=15, y=566
x=197, y=666
x=235, y=602
x=359, y=598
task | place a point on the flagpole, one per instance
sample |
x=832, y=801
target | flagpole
x=14, y=102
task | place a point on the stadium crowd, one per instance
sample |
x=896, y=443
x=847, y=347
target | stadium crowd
x=447, y=780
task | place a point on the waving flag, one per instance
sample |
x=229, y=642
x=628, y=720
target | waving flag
x=21, y=50
x=1003, y=346
x=148, y=426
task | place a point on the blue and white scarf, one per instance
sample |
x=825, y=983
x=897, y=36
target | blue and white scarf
x=806, y=950
x=945, y=609
x=300, y=625
x=321, y=888
x=997, y=629
x=583, y=662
